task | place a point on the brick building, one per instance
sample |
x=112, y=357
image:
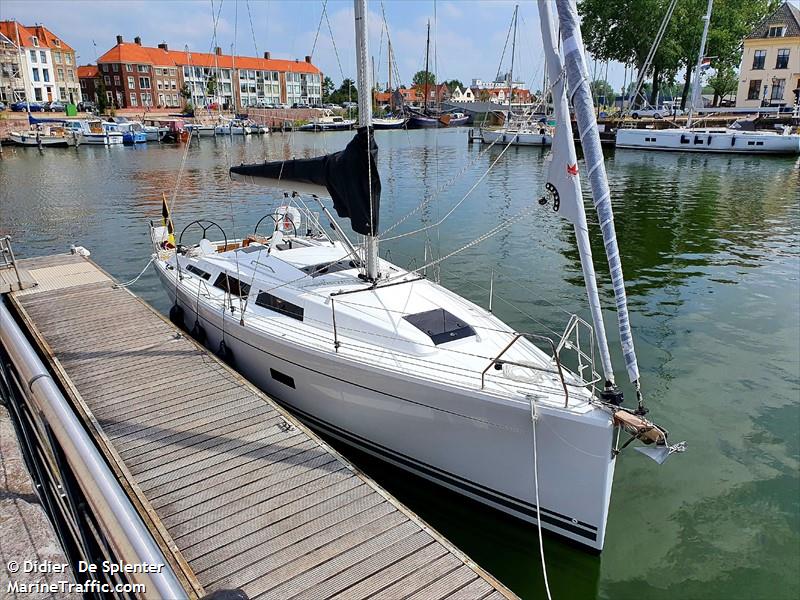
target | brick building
x=135, y=75
x=88, y=77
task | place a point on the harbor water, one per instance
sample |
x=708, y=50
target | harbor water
x=711, y=251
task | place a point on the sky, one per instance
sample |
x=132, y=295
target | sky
x=467, y=36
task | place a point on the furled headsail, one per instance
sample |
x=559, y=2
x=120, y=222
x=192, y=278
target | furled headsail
x=350, y=177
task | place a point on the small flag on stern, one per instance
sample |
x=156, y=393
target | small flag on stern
x=166, y=220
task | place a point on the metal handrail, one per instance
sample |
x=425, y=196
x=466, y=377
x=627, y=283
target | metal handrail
x=10, y=261
x=559, y=371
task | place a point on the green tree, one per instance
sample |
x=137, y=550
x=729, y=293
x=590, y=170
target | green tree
x=347, y=92
x=453, y=84
x=723, y=82
x=211, y=86
x=185, y=92
x=327, y=89
x=602, y=89
x=102, y=99
x=421, y=76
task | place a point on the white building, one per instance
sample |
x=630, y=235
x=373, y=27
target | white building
x=465, y=96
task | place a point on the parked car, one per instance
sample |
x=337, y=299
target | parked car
x=2, y=105
x=283, y=106
x=87, y=106
x=22, y=106
x=656, y=113
x=55, y=106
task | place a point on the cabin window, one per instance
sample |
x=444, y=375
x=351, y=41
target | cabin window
x=759, y=143
x=232, y=285
x=267, y=300
x=282, y=378
x=440, y=325
x=684, y=139
x=327, y=268
x=198, y=271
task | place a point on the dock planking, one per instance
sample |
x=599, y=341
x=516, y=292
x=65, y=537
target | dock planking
x=236, y=491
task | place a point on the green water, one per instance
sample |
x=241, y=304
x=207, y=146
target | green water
x=710, y=249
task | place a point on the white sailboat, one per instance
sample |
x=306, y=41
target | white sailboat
x=387, y=361
x=729, y=140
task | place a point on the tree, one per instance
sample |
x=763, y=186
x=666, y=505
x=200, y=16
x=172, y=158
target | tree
x=102, y=98
x=602, y=91
x=421, y=76
x=185, y=92
x=327, y=89
x=453, y=84
x=211, y=86
x=723, y=82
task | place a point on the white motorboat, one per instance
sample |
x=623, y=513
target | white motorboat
x=523, y=135
x=389, y=122
x=233, y=127
x=398, y=366
x=201, y=130
x=328, y=122
x=44, y=136
x=728, y=140
x=95, y=132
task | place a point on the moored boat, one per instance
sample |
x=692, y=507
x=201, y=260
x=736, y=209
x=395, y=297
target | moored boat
x=43, y=136
x=389, y=122
x=201, y=130
x=328, y=122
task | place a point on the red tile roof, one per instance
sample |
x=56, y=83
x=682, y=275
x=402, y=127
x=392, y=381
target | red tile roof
x=46, y=38
x=134, y=53
x=88, y=71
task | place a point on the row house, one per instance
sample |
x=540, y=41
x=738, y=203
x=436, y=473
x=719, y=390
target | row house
x=770, y=71
x=135, y=75
x=89, y=79
x=497, y=95
x=45, y=69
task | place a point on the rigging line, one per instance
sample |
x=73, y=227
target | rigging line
x=534, y=418
x=335, y=49
x=505, y=46
x=467, y=195
x=497, y=229
x=252, y=29
x=319, y=26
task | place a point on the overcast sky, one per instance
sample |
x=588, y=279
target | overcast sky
x=467, y=36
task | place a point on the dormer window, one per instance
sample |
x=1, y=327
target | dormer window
x=57, y=43
x=35, y=41
x=775, y=31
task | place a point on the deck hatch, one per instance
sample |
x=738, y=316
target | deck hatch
x=233, y=286
x=440, y=325
x=267, y=300
x=199, y=272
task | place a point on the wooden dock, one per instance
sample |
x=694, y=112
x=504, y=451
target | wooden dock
x=236, y=491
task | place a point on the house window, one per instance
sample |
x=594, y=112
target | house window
x=759, y=58
x=267, y=300
x=775, y=31
x=37, y=94
x=57, y=57
x=33, y=56
x=778, y=86
x=105, y=67
x=36, y=74
x=57, y=43
x=43, y=56
x=232, y=285
x=131, y=82
x=107, y=79
x=159, y=85
x=133, y=100
x=116, y=80
x=783, y=59
x=109, y=97
x=61, y=74
x=143, y=68
x=46, y=74
x=440, y=325
x=115, y=67
x=144, y=83
x=70, y=75
x=754, y=90
x=129, y=68
x=35, y=41
x=175, y=99
x=68, y=57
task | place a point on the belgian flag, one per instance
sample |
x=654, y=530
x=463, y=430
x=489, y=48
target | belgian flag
x=166, y=220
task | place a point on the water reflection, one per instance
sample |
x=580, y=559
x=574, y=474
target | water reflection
x=710, y=249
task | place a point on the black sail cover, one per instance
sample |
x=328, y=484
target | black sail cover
x=356, y=193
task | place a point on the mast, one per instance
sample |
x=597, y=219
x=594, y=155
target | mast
x=427, y=51
x=563, y=177
x=22, y=69
x=577, y=81
x=191, y=76
x=365, y=118
x=701, y=54
x=389, y=80
x=511, y=73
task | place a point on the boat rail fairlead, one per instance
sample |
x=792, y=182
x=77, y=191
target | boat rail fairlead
x=496, y=362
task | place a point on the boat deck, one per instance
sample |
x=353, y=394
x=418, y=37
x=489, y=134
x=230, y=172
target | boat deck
x=235, y=490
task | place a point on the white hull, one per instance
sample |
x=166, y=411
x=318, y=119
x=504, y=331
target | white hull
x=226, y=130
x=516, y=138
x=202, y=130
x=470, y=440
x=31, y=139
x=100, y=139
x=729, y=141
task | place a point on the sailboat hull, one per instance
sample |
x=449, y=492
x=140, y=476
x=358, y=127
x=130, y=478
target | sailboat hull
x=476, y=444
x=728, y=141
x=522, y=138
